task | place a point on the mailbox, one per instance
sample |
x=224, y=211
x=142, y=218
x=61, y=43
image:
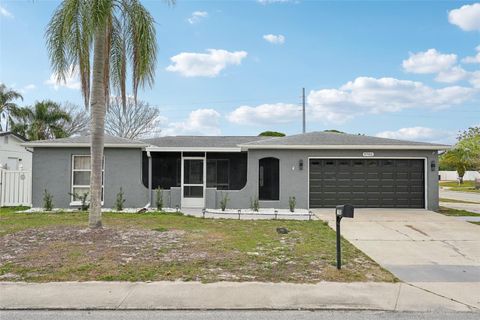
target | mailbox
x=345, y=211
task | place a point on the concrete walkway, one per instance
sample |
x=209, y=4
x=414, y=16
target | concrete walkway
x=223, y=295
x=458, y=195
x=471, y=207
x=425, y=249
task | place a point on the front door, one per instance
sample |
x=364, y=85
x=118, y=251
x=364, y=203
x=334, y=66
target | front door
x=193, y=182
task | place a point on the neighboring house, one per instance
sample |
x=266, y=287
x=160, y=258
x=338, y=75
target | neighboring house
x=319, y=169
x=453, y=175
x=14, y=156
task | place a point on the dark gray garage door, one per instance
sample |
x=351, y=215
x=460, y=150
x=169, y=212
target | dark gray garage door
x=367, y=183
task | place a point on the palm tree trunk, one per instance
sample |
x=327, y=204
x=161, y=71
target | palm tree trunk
x=98, y=109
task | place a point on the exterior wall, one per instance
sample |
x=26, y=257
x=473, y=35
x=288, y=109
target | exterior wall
x=52, y=170
x=294, y=182
x=10, y=148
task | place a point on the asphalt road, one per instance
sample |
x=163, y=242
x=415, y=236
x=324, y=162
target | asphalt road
x=232, y=315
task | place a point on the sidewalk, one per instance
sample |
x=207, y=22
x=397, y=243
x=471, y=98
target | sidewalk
x=222, y=295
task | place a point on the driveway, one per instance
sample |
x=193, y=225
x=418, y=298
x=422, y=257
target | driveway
x=423, y=248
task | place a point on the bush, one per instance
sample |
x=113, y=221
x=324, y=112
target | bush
x=47, y=201
x=120, y=201
x=159, y=200
x=254, y=204
x=224, y=201
x=292, y=202
x=83, y=199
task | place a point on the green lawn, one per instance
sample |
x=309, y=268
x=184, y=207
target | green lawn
x=475, y=222
x=466, y=186
x=41, y=247
x=455, y=212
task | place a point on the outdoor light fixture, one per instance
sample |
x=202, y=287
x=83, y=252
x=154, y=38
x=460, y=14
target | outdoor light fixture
x=300, y=164
x=432, y=165
x=203, y=212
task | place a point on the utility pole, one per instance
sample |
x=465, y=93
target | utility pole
x=303, y=110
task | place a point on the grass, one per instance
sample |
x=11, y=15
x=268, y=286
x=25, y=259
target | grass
x=475, y=222
x=466, y=186
x=456, y=201
x=456, y=212
x=40, y=247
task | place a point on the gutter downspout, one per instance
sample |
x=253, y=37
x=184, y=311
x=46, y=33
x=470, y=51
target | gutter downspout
x=149, y=180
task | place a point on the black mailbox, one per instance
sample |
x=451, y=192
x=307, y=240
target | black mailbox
x=345, y=211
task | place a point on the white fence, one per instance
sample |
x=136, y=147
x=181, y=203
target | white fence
x=453, y=175
x=15, y=188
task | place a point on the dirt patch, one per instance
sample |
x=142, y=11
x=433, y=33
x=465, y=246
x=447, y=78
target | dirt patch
x=61, y=243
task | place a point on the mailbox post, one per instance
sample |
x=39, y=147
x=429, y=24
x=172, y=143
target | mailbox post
x=340, y=212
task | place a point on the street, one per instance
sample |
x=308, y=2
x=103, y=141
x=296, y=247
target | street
x=233, y=315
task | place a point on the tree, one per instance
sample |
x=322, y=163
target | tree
x=465, y=155
x=117, y=33
x=136, y=121
x=41, y=122
x=79, y=120
x=271, y=134
x=7, y=96
x=469, y=133
x=333, y=131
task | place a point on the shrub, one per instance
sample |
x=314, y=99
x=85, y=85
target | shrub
x=120, y=201
x=47, y=201
x=83, y=199
x=159, y=200
x=224, y=201
x=254, y=204
x=292, y=202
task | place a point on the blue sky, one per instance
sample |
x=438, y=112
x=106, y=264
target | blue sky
x=395, y=69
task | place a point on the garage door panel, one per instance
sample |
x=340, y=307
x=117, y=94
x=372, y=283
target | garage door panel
x=388, y=183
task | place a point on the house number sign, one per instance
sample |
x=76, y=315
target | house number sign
x=368, y=154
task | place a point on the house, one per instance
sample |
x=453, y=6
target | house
x=319, y=169
x=13, y=156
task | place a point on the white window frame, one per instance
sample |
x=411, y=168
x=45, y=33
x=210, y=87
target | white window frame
x=74, y=202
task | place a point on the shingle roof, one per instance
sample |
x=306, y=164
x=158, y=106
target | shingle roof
x=318, y=139
x=84, y=141
x=8, y=133
x=202, y=141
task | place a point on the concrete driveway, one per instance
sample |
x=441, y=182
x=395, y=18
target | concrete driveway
x=423, y=248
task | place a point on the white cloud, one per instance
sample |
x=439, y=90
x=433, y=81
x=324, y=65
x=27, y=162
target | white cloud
x=28, y=87
x=191, y=64
x=452, y=75
x=265, y=114
x=275, y=39
x=197, y=16
x=371, y=95
x=72, y=81
x=5, y=13
x=199, y=122
x=265, y=2
x=466, y=17
x=416, y=134
x=430, y=61
x=474, y=59
x=475, y=79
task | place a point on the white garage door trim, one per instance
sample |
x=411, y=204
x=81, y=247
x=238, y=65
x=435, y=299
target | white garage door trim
x=365, y=158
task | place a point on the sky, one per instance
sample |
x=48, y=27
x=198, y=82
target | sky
x=406, y=70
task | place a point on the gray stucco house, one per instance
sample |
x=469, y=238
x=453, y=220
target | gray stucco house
x=319, y=169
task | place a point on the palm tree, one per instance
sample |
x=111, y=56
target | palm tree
x=116, y=32
x=45, y=120
x=7, y=96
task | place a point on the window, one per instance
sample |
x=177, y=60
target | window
x=81, y=170
x=218, y=173
x=268, y=179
